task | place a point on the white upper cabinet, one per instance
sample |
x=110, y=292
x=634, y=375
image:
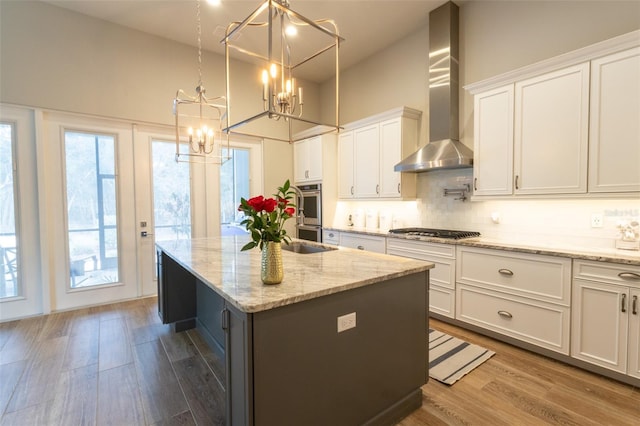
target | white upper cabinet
x=614, y=155
x=551, y=132
x=569, y=125
x=493, y=143
x=390, y=154
x=307, y=165
x=368, y=151
x=366, y=141
x=346, y=187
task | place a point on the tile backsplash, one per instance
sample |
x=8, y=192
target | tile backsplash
x=565, y=222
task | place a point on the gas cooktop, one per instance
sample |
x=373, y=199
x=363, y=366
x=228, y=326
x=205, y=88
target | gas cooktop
x=437, y=233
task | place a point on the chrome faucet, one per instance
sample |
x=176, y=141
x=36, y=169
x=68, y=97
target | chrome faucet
x=300, y=205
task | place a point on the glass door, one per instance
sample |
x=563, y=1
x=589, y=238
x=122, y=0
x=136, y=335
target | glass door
x=92, y=217
x=91, y=211
x=21, y=291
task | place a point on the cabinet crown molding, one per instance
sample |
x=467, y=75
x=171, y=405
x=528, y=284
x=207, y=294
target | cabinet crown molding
x=392, y=113
x=603, y=48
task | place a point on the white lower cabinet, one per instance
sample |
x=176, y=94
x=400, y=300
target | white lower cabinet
x=606, y=316
x=330, y=236
x=363, y=242
x=524, y=296
x=442, y=278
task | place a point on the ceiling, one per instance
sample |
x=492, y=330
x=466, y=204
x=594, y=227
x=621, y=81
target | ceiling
x=367, y=26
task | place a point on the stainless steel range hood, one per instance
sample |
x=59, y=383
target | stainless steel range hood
x=444, y=150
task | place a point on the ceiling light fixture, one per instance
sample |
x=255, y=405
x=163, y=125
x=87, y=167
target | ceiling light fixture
x=199, y=119
x=293, y=42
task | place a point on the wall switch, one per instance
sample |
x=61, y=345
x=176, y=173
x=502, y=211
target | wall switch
x=345, y=322
x=597, y=220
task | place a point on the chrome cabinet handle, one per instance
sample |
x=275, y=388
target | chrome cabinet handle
x=517, y=182
x=377, y=189
x=360, y=247
x=398, y=188
x=331, y=234
x=352, y=190
x=630, y=275
x=634, y=305
x=505, y=272
x=624, y=303
x=475, y=184
x=505, y=314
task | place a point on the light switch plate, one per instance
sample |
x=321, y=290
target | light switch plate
x=346, y=322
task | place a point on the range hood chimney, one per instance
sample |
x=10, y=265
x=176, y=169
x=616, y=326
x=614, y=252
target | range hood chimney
x=444, y=150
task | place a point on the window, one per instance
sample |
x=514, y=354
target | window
x=234, y=184
x=8, y=240
x=91, y=208
x=171, y=192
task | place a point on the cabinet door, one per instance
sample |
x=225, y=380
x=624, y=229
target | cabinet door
x=634, y=334
x=493, y=142
x=614, y=145
x=301, y=161
x=390, y=155
x=551, y=132
x=366, y=142
x=314, y=159
x=345, y=165
x=599, y=327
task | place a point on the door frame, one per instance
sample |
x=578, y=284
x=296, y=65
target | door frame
x=62, y=296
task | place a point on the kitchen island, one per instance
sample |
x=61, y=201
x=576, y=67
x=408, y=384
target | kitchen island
x=341, y=341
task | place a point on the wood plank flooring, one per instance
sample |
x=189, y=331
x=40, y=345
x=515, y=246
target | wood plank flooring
x=118, y=365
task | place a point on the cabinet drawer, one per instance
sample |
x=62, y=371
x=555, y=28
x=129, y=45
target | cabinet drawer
x=363, y=242
x=419, y=249
x=442, y=300
x=540, y=277
x=628, y=275
x=330, y=237
x=539, y=323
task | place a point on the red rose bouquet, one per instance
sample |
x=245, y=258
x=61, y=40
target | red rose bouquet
x=265, y=217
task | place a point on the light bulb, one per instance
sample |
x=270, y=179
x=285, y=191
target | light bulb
x=288, y=86
x=265, y=77
x=190, y=131
x=274, y=71
x=291, y=30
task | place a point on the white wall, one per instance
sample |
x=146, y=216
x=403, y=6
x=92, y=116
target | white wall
x=495, y=37
x=57, y=59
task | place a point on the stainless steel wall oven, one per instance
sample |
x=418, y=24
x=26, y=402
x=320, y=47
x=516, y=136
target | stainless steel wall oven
x=311, y=227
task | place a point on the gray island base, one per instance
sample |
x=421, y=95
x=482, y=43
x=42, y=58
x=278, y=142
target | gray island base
x=341, y=341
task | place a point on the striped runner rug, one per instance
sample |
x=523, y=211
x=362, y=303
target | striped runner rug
x=451, y=358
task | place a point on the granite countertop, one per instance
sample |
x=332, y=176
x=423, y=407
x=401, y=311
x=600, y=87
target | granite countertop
x=235, y=275
x=627, y=257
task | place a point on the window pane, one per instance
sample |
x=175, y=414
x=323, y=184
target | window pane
x=234, y=184
x=91, y=209
x=171, y=192
x=8, y=242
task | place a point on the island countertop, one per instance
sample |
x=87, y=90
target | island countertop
x=235, y=275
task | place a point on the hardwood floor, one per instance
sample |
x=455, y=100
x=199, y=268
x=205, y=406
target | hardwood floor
x=118, y=365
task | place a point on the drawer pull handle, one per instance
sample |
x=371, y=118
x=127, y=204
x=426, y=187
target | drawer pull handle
x=360, y=247
x=630, y=275
x=634, y=305
x=475, y=184
x=505, y=314
x=624, y=303
x=505, y=272
x=517, y=182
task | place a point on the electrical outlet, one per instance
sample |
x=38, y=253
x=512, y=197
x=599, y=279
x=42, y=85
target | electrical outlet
x=597, y=220
x=345, y=322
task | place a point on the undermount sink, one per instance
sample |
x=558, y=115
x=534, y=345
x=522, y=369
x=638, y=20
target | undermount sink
x=303, y=248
